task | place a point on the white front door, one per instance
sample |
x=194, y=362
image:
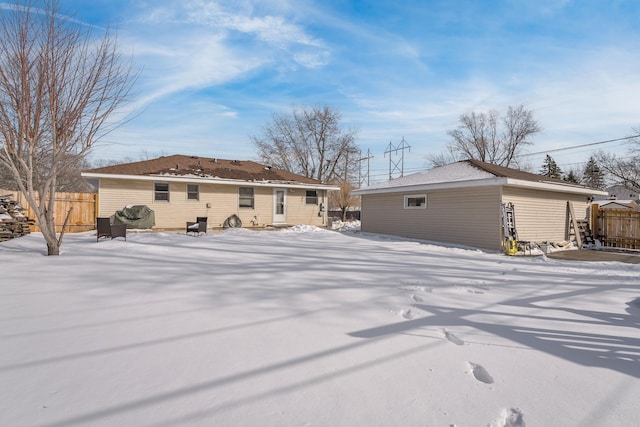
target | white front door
x=279, y=206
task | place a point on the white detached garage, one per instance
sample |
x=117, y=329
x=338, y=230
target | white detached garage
x=460, y=203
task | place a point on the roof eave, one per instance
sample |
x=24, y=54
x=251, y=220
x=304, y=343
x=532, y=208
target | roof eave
x=555, y=187
x=487, y=182
x=208, y=180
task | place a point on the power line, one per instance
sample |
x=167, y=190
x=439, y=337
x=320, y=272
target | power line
x=555, y=150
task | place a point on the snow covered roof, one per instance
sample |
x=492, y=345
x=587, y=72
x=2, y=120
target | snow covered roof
x=473, y=173
x=621, y=204
x=193, y=169
x=623, y=191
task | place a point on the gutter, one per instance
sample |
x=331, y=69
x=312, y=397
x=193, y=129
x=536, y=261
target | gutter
x=486, y=182
x=497, y=181
x=559, y=188
x=219, y=181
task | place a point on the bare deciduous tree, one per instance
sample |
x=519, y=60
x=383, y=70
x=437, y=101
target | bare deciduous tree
x=488, y=138
x=343, y=199
x=309, y=142
x=58, y=87
x=623, y=170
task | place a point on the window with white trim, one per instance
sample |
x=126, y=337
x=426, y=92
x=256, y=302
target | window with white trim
x=415, y=201
x=246, y=197
x=193, y=192
x=161, y=191
x=311, y=197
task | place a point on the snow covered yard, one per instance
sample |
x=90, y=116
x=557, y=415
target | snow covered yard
x=312, y=327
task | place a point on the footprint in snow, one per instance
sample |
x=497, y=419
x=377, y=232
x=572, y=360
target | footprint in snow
x=417, y=286
x=511, y=418
x=480, y=373
x=407, y=314
x=451, y=337
x=416, y=298
x=478, y=289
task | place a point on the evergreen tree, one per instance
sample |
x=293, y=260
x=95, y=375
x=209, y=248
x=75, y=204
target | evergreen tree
x=550, y=168
x=593, y=176
x=572, y=176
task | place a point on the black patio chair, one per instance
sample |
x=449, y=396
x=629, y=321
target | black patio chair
x=106, y=229
x=200, y=226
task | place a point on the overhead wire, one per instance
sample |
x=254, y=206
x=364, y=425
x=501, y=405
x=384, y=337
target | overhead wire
x=555, y=150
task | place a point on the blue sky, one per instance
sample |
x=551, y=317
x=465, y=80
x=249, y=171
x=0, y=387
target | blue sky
x=213, y=72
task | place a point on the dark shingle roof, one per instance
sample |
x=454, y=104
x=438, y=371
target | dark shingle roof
x=179, y=165
x=502, y=171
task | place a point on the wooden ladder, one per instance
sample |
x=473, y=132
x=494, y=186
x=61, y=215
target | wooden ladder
x=577, y=229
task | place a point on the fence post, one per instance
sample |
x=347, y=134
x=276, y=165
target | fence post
x=595, y=223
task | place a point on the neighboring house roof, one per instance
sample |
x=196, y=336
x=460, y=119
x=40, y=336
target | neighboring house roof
x=623, y=192
x=194, y=168
x=474, y=173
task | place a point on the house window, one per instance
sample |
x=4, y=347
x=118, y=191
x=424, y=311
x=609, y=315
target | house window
x=193, y=192
x=245, y=197
x=161, y=191
x=312, y=197
x=415, y=201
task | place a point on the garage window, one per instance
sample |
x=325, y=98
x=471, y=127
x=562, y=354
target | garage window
x=415, y=201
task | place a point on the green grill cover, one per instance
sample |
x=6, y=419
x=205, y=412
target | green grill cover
x=136, y=216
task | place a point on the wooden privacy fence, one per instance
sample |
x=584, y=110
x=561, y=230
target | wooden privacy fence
x=83, y=214
x=616, y=228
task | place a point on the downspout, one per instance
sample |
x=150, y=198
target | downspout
x=324, y=207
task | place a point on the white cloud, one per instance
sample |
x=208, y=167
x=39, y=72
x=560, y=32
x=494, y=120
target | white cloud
x=599, y=92
x=277, y=31
x=195, y=45
x=172, y=66
x=549, y=8
x=387, y=82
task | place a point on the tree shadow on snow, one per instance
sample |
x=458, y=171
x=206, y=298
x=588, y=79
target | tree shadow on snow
x=619, y=352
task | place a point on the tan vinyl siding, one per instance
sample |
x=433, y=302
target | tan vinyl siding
x=116, y=194
x=299, y=212
x=260, y=214
x=541, y=215
x=463, y=216
x=223, y=200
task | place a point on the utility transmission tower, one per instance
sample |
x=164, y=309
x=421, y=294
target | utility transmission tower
x=364, y=177
x=397, y=166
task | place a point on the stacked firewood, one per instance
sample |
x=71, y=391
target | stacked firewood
x=13, y=223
